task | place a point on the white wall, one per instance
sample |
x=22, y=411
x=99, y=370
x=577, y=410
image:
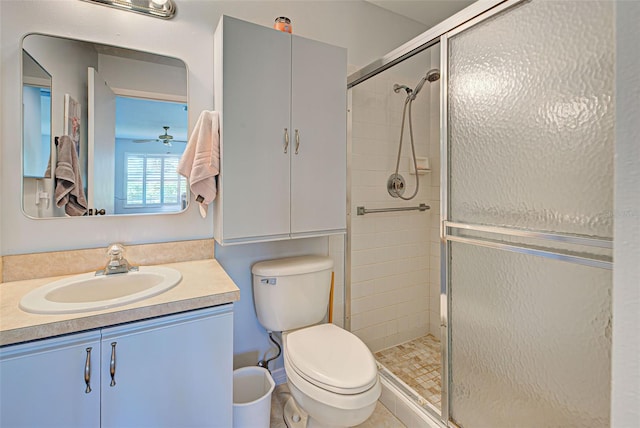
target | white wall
x=365, y=30
x=625, y=394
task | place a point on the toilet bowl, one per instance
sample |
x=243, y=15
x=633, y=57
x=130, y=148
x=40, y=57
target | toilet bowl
x=331, y=374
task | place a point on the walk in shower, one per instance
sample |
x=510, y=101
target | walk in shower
x=395, y=254
x=493, y=307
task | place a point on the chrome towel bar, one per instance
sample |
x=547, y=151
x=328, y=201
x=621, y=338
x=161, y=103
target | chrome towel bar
x=363, y=210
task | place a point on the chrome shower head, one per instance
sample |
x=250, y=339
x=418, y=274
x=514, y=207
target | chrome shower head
x=433, y=75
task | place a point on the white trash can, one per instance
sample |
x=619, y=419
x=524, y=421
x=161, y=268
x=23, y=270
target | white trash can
x=252, y=388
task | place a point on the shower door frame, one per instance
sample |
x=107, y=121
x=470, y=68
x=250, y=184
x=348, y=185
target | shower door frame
x=474, y=13
x=466, y=18
x=448, y=228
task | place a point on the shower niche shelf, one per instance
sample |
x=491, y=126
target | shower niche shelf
x=422, y=163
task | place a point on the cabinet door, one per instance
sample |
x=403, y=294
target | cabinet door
x=318, y=116
x=174, y=371
x=42, y=384
x=253, y=92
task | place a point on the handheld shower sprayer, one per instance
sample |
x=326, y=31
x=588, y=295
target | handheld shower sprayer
x=395, y=183
x=431, y=76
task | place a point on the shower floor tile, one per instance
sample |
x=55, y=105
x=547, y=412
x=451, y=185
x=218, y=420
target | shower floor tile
x=417, y=363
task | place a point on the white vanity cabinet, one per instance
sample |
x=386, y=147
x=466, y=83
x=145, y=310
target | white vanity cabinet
x=174, y=371
x=282, y=102
x=169, y=371
x=42, y=384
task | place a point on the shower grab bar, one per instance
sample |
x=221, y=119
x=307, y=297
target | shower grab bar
x=363, y=210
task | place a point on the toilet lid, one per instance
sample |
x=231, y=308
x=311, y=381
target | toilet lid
x=331, y=358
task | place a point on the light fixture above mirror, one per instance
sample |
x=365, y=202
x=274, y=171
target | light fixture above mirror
x=165, y=9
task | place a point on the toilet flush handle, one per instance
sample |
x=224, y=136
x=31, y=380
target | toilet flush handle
x=268, y=281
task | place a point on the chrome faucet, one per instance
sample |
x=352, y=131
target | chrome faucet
x=117, y=262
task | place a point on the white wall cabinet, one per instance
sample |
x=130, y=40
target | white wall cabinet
x=167, y=372
x=282, y=101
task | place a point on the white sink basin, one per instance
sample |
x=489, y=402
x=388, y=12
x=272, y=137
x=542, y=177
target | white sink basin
x=88, y=292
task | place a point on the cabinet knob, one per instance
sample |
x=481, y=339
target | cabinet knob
x=286, y=140
x=87, y=371
x=297, y=141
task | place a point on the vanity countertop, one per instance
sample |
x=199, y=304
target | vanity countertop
x=204, y=284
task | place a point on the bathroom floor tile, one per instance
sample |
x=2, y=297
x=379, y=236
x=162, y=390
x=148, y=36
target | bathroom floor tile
x=381, y=418
x=417, y=363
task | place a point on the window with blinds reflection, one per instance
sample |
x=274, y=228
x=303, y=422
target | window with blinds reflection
x=151, y=180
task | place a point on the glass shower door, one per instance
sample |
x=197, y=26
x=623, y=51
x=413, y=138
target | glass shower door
x=527, y=216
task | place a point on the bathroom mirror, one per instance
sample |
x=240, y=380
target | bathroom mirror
x=126, y=113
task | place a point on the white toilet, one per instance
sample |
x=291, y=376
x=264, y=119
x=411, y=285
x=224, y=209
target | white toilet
x=331, y=373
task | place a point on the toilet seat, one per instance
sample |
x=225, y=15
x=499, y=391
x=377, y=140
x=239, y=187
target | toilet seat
x=330, y=358
x=309, y=391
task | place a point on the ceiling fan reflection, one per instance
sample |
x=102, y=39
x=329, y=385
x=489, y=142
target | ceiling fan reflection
x=165, y=138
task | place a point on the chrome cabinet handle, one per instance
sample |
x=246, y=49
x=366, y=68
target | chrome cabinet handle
x=297, y=141
x=112, y=364
x=286, y=139
x=87, y=371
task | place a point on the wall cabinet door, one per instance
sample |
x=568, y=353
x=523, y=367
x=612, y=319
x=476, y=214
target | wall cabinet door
x=169, y=372
x=253, y=90
x=282, y=100
x=318, y=120
x=42, y=384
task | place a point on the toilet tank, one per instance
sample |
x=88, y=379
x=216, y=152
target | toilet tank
x=292, y=292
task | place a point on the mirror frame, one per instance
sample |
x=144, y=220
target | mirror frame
x=184, y=99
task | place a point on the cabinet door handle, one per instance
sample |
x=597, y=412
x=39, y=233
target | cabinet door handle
x=112, y=364
x=286, y=139
x=87, y=371
x=297, y=141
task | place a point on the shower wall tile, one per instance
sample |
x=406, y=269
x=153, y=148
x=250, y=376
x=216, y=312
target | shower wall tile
x=390, y=252
x=434, y=301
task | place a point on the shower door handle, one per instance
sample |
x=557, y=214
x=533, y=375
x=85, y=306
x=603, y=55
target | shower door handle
x=286, y=140
x=297, y=141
